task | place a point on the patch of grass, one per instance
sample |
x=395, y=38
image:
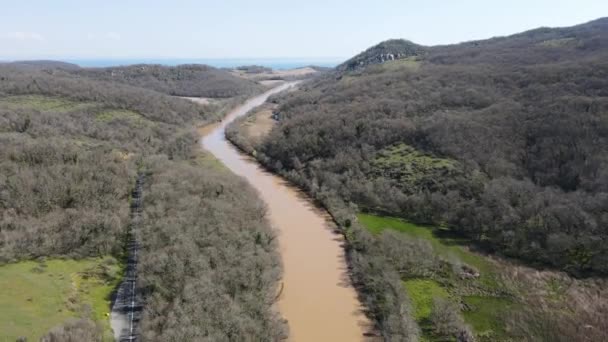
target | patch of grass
x=561, y=42
x=114, y=114
x=422, y=292
x=485, y=315
x=95, y=286
x=411, y=168
x=206, y=159
x=42, y=103
x=447, y=247
x=347, y=80
x=405, y=156
x=37, y=296
x=376, y=224
x=405, y=64
x=556, y=289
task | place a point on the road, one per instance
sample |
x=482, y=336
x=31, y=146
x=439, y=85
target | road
x=126, y=308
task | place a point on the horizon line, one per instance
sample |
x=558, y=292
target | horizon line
x=58, y=58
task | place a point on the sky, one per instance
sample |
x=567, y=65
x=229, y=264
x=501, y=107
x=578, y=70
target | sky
x=68, y=29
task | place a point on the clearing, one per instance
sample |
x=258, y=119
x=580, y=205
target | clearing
x=483, y=299
x=43, y=103
x=260, y=123
x=39, y=295
x=506, y=301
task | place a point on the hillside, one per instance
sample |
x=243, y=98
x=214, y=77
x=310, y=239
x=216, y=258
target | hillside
x=184, y=80
x=71, y=150
x=501, y=143
x=538, y=128
x=539, y=46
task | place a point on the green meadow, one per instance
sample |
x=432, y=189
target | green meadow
x=38, y=295
x=481, y=309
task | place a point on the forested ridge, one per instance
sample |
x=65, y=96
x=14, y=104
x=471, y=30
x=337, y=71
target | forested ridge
x=71, y=149
x=194, y=80
x=518, y=125
x=188, y=80
x=41, y=65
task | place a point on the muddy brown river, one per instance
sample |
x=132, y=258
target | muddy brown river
x=318, y=299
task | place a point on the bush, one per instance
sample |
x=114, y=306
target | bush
x=447, y=321
x=74, y=330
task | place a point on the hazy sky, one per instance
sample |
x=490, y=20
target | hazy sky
x=263, y=28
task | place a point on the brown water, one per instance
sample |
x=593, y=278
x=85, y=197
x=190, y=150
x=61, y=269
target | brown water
x=318, y=299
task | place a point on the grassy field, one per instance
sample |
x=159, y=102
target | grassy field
x=110, y=115
x=37, y=296
x=411, y=169
x=422, y=292
x=481, y=310
x=444, y=245
x=63, y=105
x=485, y=314
x=259, y=123
x=408, y=158
x=404, y=64
x=560, y=42
x=206, y=159
x=42, y=103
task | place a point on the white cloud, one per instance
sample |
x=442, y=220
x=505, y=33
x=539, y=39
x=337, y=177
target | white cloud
x=23, y=36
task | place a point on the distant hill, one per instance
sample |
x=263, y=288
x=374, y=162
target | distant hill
x=43, y=64
x=253, y=69
x=389, y=50
x=320, y=68
x=193, y=80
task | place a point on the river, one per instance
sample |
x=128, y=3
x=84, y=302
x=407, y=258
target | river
x=318, y=299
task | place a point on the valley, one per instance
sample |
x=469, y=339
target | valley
x=414, y=192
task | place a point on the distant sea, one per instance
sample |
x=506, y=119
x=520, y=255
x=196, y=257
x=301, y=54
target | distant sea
x=274, y=63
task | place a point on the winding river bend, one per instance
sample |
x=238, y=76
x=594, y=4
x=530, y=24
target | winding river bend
x=318, y=299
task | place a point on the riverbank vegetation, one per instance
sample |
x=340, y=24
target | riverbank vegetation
x=500, y=143
x=210, y=266
x=71, y=149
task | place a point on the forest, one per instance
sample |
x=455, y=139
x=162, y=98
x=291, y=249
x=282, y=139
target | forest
x=192, y=80
x=71, y=149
